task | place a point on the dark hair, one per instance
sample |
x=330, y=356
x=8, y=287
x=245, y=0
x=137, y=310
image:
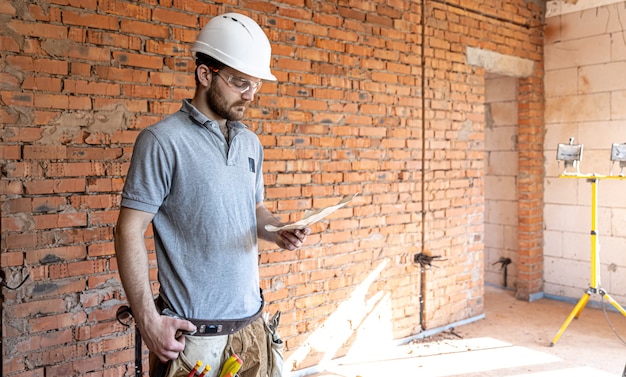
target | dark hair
x=208, y=61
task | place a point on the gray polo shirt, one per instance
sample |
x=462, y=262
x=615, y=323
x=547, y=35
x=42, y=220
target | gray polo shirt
x=203, y=193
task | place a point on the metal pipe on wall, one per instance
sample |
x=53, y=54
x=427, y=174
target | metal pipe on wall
x=423, y=173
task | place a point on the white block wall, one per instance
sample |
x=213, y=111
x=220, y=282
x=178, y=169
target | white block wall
x=501, y=179
x=585, y=86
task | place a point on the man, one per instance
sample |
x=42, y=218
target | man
x=197, y=177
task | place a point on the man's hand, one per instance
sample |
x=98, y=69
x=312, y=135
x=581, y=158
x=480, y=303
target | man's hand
x=292, y=239
x=160, y=336
x=286, y=239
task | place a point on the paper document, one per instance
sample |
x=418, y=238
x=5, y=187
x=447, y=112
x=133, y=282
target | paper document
x=312, y=216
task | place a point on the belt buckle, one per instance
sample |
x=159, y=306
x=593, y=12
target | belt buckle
x=210, y=329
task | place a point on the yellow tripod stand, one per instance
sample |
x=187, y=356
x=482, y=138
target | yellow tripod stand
x=594, y=287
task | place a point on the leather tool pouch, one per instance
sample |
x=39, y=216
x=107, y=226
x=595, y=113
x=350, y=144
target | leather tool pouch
x=179, y=367
x=274, y=347
x=209, y=350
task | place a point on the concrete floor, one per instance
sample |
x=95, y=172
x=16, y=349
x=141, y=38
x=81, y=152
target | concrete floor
x=512, y=340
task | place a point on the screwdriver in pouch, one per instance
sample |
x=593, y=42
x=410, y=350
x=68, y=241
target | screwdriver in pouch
x=195, y=369
x=206, y=370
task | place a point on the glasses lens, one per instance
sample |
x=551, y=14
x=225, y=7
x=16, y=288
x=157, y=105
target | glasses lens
x=240, y=84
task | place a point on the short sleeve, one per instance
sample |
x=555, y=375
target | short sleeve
x=149, y=175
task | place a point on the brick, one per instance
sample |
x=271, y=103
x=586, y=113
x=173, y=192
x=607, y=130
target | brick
x=92, y=201
x=141, y=91
x=9, y=259
x=114, y=39
x=185, y=35
x=105, y=185
x=42, y=117
x=44, y=289
x=119, y=357
x=132, y=10
x=9, y=44
x=42, y=83
x=98, y=233
x=90, y=87
x=99, y=330
x=75, y=169
x=48, y=204
x=17, y=205
x=138, y=60
x=169, y=16
x=7, y=8
x=17, y=98
x=33, y=29
x=11, y=152
x=103, y=103
x=101, y=250
x=84, y=366
x=169, y=49
x=55, y=255
x=144, y=29
x=277, y=102
x=50, y=186
x=196, y=7
x=297, y=204
x=41, y=307
x=91, y=20
x=41, y=15
x=64, y=220
x=57, y=101
x=44, y=152
x=73, y=269
x=57, y=321
x=172, y=79
x=94, y=153
x=77, y=51
x=59, y=354
x=8, y=116
x=23, y=169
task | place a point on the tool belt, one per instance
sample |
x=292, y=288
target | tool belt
x=215, y=327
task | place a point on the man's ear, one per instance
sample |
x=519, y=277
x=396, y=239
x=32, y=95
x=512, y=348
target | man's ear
x=205, y=75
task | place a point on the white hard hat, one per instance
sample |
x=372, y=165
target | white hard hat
x=238, y=42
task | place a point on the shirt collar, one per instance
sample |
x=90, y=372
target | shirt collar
x=200, y=119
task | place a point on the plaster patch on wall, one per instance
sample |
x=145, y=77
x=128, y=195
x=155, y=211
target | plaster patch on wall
x=466, y=130
x=65, y=128
x=494, y=62
x=559, y=7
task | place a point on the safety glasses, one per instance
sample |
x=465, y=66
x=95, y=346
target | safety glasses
x=239, y=83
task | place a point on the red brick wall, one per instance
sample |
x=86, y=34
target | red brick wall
x=354, y=110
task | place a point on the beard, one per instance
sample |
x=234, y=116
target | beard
x=219, y=105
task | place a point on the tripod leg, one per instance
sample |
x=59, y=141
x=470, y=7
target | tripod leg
x=580, y=308
x=575, y=313
x=613, y=302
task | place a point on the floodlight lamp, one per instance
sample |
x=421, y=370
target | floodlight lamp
x=618, y=154
x=571, y=154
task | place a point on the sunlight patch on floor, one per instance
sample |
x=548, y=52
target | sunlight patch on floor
x=569, y=372
x=448, y=358
x=455, y=358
